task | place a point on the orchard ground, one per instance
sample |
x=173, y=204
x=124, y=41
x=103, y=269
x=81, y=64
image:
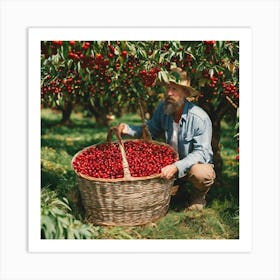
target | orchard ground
x=59, y=143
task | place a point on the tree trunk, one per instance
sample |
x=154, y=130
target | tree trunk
x=218, y=161
x=101, y=119
x=100, y=114
x=216, y=135
x=216, y=115
x=66, y=113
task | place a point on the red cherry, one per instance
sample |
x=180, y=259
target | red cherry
x=124, y=54
x=86, y=45
x=59, y=43
x=112, y=49
x=99, y=56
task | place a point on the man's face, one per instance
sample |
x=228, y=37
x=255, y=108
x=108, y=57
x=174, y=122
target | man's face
x=175, y=98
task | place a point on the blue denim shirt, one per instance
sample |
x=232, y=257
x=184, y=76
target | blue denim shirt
x=194, y=135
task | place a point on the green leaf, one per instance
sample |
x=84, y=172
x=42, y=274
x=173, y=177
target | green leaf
x=132, y=48
x=142, y=53
x=230, y=48
x=174, y=76
x=48, y=226
x=69, y=63
x=163, y=76
x=64, y=220
x=60, y=231
x=200, y=66
x=79, y=66
x=180, y=55
x=171, y=54
x=156, y=55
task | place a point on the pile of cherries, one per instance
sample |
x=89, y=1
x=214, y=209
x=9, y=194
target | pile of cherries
x=105, y=160
x=146, y=158
x=100, y=161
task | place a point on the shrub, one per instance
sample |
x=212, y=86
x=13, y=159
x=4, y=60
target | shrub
x=57, y=222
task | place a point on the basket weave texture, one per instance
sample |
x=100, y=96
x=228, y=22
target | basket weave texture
x=125, y=201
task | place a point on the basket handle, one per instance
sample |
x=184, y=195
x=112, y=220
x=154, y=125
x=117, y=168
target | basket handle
x=114, y=129
x=145, y=131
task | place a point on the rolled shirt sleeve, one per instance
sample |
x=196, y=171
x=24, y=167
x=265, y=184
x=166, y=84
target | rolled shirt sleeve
x=155, y=125
x=134, y=131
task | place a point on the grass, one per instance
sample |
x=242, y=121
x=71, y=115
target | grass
x=219, y=220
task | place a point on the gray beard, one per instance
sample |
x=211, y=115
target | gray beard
x=171, y=108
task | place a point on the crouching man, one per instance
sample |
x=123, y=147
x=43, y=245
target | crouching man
x=188, y=129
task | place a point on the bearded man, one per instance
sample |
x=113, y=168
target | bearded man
x=188, y=129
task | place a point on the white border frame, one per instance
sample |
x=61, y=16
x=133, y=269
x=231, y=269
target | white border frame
x=243, y=35
x=262, y=262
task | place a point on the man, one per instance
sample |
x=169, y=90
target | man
x=188, y=129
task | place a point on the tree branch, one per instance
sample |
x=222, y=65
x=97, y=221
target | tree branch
x=231, y=102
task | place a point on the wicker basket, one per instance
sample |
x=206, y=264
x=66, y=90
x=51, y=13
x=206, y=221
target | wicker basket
x=124, y=201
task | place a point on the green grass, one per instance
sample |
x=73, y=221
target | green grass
x=219, y=220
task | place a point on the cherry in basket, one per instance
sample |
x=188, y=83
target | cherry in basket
x=147, y=158
x=100, y=161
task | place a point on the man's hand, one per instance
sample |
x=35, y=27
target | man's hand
x=169, y=171
x=122, y=128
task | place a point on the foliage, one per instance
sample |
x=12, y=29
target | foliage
x=214, y=70
x=57, y=222
x=105, y=76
